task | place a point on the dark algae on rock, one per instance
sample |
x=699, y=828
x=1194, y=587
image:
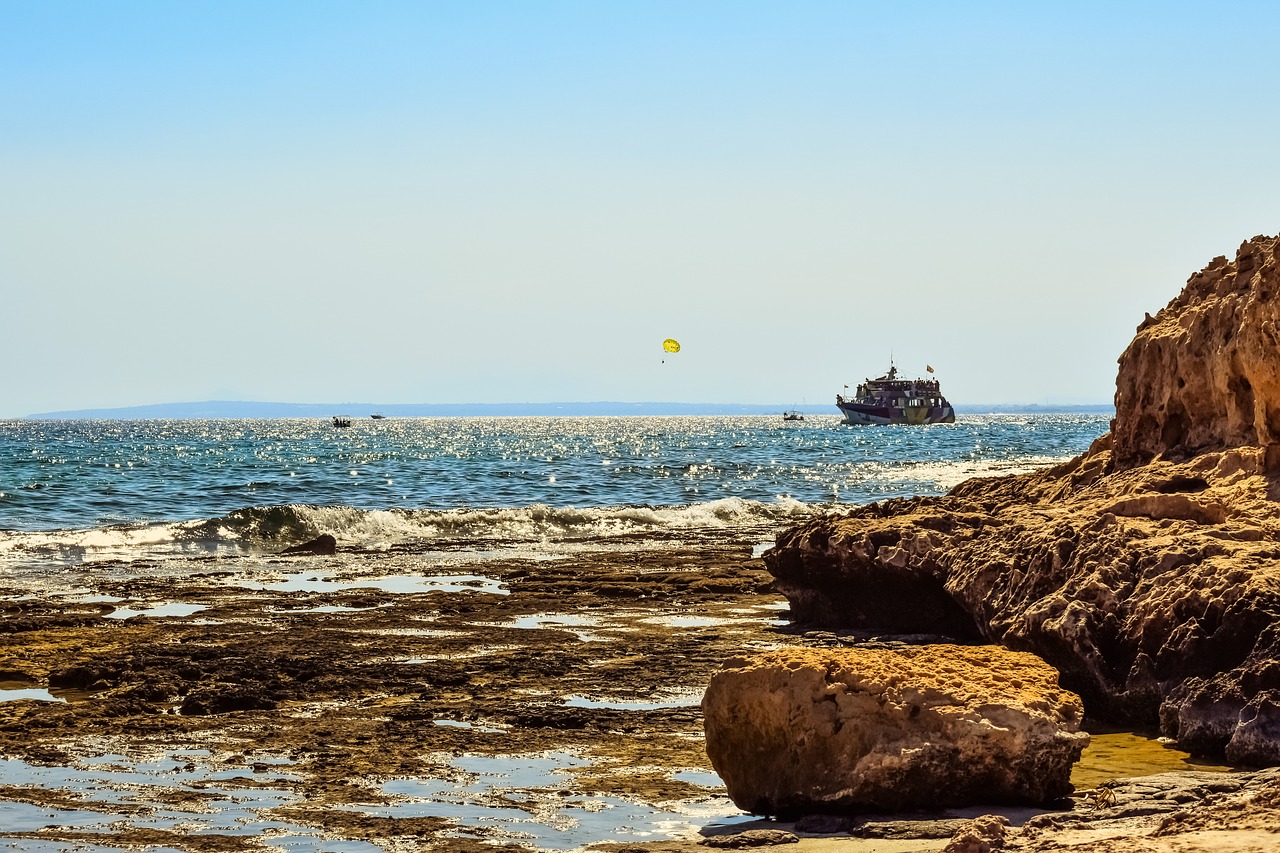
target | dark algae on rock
x=308, y=703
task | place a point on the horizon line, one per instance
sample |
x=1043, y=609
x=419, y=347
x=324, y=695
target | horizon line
x=254, y=408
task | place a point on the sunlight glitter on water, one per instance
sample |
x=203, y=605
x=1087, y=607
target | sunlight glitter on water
x=508, y=797
x=224, y=799
x=398, y=584
x=131, y=480
x=673, y=700
x=173, y=608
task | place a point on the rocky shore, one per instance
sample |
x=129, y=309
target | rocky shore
x=364, y=702
x=416, y=698
x=1146, y=571
x=360, y=702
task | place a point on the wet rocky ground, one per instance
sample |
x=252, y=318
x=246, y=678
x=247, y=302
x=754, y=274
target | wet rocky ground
x=404, y=699
x=385, y=697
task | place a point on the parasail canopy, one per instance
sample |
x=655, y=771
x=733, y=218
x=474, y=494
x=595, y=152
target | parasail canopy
x=671, y=345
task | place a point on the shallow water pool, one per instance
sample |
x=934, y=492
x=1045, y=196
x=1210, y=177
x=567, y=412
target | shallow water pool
x=1116, y=754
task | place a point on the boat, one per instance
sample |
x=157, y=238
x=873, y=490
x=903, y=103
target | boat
x=341, y=421
x=377, y=417
x=891, y=399
x=792, y=416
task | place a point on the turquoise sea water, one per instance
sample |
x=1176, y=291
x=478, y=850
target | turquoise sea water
x=75, y=490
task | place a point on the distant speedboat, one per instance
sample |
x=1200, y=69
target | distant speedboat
x=792, y=416
x=341, y=421
x=891, y=400
x=377, y=417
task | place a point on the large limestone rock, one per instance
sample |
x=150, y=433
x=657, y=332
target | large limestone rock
x=1204, y=373
x=1147, y=570
x=798, y=731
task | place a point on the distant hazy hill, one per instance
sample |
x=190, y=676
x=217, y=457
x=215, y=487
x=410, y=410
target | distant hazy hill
x=236, y=409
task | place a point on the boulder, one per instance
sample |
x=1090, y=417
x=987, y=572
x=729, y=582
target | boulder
x=1147, y=570
x=323, y=545
x=980, y=835
x=798, y=731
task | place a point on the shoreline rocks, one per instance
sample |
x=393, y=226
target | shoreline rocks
x=803, y=731
x=324, y=545
x=1147, y=570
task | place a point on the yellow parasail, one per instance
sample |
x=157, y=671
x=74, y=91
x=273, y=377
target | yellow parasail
x=671, y=345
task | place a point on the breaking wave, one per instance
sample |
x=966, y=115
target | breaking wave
x=266, y=529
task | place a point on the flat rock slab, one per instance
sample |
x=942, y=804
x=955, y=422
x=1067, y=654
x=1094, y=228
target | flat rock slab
x=799, y=731
x=751, y=838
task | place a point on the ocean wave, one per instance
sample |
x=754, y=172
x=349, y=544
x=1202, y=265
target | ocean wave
x=946, y=475
x=266, y=529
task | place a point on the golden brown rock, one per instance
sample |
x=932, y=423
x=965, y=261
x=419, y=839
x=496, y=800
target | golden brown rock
x=797, y=731
x=1147, y=570
x=1204, y=373
x=981, y=835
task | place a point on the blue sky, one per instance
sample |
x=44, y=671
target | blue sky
x=512, y=201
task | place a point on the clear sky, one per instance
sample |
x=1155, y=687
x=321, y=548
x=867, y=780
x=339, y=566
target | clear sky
x=478, y=201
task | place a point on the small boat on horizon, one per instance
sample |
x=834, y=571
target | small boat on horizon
x=792, y=416
x=893, y=400
x=377, y=417
x=341, y=421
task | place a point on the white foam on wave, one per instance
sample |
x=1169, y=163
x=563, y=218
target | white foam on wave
x=265, y=530
x=927, y=477
x=537, y=521
x=948, y=475
x=122, y=542
x=268, y=529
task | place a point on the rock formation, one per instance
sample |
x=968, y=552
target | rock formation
x=323, y=545
x=798, y=731
x=981, y=835
x=1204, y=373
x=1146, y=570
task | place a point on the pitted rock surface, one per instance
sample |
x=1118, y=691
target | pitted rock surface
x=797, y=731
x=1204, y=373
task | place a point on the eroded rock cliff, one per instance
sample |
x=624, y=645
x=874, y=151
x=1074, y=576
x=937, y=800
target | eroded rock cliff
x=1204, y=373
x=1147, y=570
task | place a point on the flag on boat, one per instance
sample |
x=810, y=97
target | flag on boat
x=929, y=367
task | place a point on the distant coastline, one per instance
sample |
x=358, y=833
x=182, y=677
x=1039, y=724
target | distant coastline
x=243, y=409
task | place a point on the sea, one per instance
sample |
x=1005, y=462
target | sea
x=78, y=491
x=87, y=500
